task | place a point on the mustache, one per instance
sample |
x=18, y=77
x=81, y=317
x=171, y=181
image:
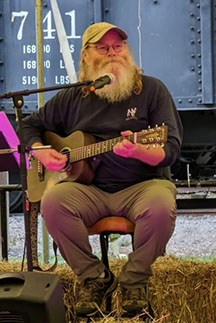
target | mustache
x=108, y=60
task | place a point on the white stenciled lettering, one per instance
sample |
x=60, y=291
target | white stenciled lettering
x=61, y=64
x=71, y=46
x=29, y=49
x=32, y=64
x=61, y=79
x=72, y=24
x=29, y=80
x=23, y=15
x=47, y=64
x=32, y=49
x=47, y=49
x=29, y=65
x=49, y=32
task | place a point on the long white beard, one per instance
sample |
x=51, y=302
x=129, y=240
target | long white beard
x=122, y=86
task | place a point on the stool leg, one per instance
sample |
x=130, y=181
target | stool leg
x=104, y=244
x=132, y=240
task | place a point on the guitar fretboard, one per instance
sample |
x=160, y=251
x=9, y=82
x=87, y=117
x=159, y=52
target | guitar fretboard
x=93, y=149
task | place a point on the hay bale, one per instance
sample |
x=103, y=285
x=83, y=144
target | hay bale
x=181, y=291
x=184, y=291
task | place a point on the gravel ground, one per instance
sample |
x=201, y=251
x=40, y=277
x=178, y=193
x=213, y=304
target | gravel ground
x=194, y=236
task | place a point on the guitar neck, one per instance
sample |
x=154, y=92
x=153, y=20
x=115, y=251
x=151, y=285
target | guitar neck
x=156, y=135
x=95, y=149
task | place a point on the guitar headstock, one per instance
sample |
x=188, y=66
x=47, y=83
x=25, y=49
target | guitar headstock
x=156, y=135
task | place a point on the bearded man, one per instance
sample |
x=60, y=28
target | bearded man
x=131, y=180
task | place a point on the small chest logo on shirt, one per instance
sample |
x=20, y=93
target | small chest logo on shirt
x=131, y=113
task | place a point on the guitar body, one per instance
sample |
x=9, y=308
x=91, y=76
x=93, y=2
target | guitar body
x=80, y=171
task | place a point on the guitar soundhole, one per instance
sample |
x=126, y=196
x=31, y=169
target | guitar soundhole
x=66, y=151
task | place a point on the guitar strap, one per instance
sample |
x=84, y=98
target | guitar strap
x=34, y=212
x=53, y=267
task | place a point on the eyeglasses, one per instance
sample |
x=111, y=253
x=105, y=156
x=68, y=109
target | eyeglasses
x=104, y=49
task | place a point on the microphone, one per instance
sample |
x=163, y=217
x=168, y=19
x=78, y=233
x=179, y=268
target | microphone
x=101, y=82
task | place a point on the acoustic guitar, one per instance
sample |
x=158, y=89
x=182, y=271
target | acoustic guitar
x=79, y=147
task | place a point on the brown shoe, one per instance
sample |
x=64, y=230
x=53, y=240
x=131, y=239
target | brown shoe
x=134, y=300
x=93, y=293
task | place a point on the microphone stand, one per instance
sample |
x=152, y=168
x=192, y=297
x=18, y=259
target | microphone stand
x=18, y=104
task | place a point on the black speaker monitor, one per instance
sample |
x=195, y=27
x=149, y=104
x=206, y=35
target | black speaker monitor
x=30, y=297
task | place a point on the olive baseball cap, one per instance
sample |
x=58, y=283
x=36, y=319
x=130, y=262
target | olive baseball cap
x=96, y=31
